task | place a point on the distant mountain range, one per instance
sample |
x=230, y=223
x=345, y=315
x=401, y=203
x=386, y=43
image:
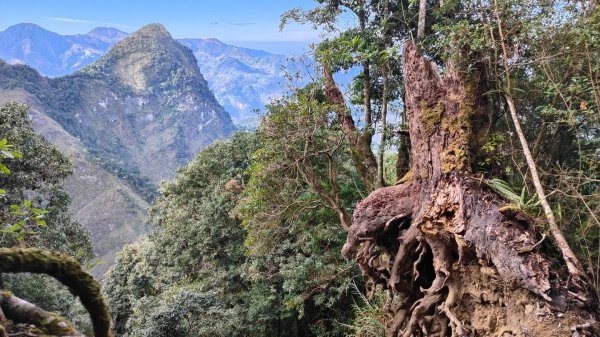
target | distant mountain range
x=52, y=54
x=242, y=79
x=127, y=120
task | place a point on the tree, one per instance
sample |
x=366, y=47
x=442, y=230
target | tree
x=440, y=223
x=187, y=277
x=368, y=46
x=302, y=187
x=37, y=178
x=40, y=175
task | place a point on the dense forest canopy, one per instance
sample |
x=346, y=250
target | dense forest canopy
x=314, y=160
x=452, y=191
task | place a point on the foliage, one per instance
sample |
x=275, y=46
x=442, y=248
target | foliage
x=370, y=316
x=249, y=234
x=197, y=253
x=34, y=210
x=197, y=262
x=301, y=166
x=35, y=184
x=521, y=200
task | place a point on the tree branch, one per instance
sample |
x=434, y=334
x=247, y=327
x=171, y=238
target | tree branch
x=68, y=272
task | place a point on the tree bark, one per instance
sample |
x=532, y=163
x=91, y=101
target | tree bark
x=384, y=103
x=403, y=160
x=421, y=22
x=21, y=311
x=360, y=142
x=68, y=272
x=457, y=257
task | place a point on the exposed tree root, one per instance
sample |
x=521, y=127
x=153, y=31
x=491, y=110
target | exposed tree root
x=455, y=258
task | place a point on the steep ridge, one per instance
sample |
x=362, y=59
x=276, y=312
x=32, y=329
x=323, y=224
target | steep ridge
x=145, y=102
x=110, y=209
x=127, y=121
x=242, y=79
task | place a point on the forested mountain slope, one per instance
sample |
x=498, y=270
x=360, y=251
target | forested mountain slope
x=242, y=79
x=126, y=121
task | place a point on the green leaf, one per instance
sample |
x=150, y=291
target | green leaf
x=38, y=211
x=40, y=222
x=7, y=154
x=91, y=264
x=4, y=169
x=15, y=227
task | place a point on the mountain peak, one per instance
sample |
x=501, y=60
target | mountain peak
x=148, y=59
x=153, y=30
x=212, y=39
x=105, y=31
x=27, y=28
x=107, y=34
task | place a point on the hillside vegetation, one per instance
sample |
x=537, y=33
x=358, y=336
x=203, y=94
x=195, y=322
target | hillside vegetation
x=126, y=122
x=456, y=243
x=453, y=190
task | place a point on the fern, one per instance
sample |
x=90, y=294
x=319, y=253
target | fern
x=521, y=201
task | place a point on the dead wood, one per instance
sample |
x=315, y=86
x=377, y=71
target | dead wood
x=461, y=258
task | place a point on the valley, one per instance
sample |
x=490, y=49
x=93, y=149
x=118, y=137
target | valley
x=126, y=121
x=426, y=169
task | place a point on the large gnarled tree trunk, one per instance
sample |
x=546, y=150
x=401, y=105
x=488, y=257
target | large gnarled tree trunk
x=456, y=259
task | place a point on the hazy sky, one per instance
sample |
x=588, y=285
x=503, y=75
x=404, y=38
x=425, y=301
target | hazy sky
x=251, y=23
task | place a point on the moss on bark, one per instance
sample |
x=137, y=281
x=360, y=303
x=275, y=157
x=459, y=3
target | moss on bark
x=66, y=270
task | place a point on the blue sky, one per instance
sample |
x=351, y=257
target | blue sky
x=249, y=23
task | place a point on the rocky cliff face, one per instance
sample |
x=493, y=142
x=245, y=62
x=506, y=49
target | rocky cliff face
x=243, y=79
x=148, y=97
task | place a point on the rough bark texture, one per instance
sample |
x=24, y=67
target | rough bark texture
x=360, y=142
x=68, y=272
x=421, y=23
x=456, y=259
x=19, y=310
